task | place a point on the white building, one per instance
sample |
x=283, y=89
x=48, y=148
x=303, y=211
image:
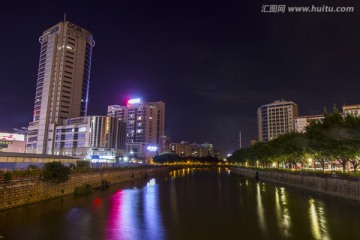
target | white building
x=275, y=119
x=302, y=122
x=145, y=124
x=352, y=109
x=96, y=138
x=62, y=83
x=11, y=142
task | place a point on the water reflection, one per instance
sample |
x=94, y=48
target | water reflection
x=134, y=214
x=186, y=172
x=318, y=220
x=282, y=212
x=196, y=204
x=152, y=215
x=260, y=209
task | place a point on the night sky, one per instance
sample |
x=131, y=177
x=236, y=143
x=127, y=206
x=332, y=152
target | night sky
x=212, y=62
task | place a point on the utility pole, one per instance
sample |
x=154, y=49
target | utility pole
x=240, y=140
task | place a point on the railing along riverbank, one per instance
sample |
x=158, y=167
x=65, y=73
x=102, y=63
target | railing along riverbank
x=335, y=185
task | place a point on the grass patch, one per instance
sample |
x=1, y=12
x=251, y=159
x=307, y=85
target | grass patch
x=83, y=190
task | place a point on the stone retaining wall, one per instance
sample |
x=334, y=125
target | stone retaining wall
x=26, y=191
x=330, y=185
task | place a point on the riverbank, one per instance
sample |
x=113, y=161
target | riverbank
x=333, y=185
x=31, y=190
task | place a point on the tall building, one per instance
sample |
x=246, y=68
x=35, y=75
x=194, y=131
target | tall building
x=62, y=83
x=275, y=119
x=145, y=124
x=164, y=145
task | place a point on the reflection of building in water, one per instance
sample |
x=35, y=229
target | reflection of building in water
x=260, y=208
x=282, y=212
x=181, y=172
x=124, y=222
x=318, y=221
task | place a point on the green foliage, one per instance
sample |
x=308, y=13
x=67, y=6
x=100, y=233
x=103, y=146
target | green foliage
x=56, y=172
x=82, y=164
x=7, y=177
x=32, y=167
x=172, y=157
x=334, y=138
x=166, y=157
x=83, y=190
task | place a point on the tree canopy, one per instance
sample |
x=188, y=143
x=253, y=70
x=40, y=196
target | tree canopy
x=334, y=138
x=170, y=157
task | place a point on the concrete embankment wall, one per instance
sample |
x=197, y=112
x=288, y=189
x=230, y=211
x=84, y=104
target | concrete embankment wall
x=26, y=191
x=330, y=184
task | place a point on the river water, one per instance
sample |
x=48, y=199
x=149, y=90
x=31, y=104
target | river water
x=187, y=204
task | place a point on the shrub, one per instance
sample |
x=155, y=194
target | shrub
x=83, y=190
x=7, y=177
x=33, y=167
x=82, y=164
x=56, y=172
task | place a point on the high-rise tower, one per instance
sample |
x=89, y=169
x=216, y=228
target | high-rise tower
x=145, y=125
x=62, y=83
x=275, y=119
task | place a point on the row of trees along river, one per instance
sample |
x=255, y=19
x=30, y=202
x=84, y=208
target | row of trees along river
x=332, y=141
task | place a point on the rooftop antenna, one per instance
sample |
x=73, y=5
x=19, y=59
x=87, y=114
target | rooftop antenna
x=64, y=16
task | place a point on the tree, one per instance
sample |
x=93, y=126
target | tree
x=166, y=157
x=56, y=172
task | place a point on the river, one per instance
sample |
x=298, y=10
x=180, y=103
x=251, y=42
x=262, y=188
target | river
x=187, y=204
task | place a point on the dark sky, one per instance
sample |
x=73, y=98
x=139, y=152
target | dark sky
x=212, y=62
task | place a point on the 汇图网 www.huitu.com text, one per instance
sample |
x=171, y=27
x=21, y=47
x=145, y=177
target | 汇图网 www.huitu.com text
x=302, y=9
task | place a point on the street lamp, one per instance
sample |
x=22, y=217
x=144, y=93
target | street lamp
x=309, y=162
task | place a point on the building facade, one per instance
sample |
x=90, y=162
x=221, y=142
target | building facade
x=352, y=109
x=96, y=138
x=275, y=119
x=164, y=144
x=302, y=122
x=12, y=142
x=185, y=149
x=62, y=83
x=145, y=125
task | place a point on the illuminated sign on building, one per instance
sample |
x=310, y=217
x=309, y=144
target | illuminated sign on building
x=11, y=137
x=152, y=148
x=134, y=101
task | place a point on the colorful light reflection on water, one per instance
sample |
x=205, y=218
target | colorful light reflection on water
x=135, y=214
x=187, y=204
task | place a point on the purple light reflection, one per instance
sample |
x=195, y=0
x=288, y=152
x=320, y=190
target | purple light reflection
x=135, y=214
x=123, y=217
x=153, y=223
